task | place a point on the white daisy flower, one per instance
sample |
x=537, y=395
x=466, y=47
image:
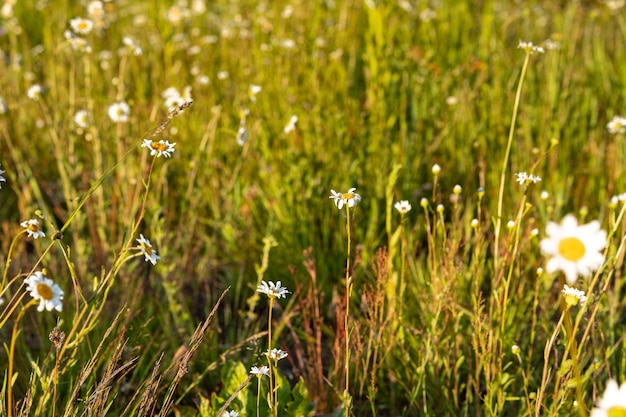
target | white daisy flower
x=276, y=354
x=613, y=402
x=2, y=178
x=44, y=289
x=617, y=125
x=530, y=48
x=403, y=206
x=291, y=125
x=119, y=112
x=80, y=25
x=260, y=371
x=350, y=198
x=34, y=92
x=148, y=251
x=573, y=249
x=436, y=169
x=81, y=118
x=33, y=228
x=132, y=45
x=573, y=296
x=230, y=413
x=525, y=179
x=160, y=148
x=273, y=290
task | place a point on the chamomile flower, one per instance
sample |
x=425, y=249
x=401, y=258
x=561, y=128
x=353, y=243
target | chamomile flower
x=276, y=354
x=573, y=249
x=2, y=178
x=617, y=125
x=530, y=48
x=613, y=402
x=291, y=125
x=573, y=296
x=81, y=118
x=132, y=45
x=403, y=206
x=34, y=92
x=350, y=198
x=273, y=290
x=148, y=251
x=525, y=179
x=174, y=99
x=259, y=371
x=119, y=112
x=160, y=148
x=33, y=228
x=46, y=291
x=230, y=413
x=80, y=25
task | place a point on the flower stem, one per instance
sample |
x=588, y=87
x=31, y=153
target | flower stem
x=346, y=393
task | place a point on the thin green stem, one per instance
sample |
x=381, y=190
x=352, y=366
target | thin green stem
x=505, y=163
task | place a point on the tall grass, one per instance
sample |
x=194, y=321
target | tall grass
x=450, y=308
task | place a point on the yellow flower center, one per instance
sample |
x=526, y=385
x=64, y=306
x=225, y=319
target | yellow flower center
x=571, y=300
x=83, y=25
x=147, y=249
x=572, y=249
x=159, y=146
x=616, y=411
x=44, y=291
x=347, y=196
x=33, y=227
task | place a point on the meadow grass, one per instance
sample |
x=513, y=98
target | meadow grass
x=183, y=266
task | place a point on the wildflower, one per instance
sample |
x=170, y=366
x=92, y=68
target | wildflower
x=254, y=90
x=80, y=44
x=574, y=249
x=544, y=195
x=148, y=251
x=132, y=45
x=230, y=413
x=273, y=290
x=34, y=92
x=276, y=354
x=474, y=223
x=515, y=349
x=242, y=135
x=222, y=75
x=350, y=198
x=403, y=206
x=573, y=296
x=617, y=125
x=291, y=125
x=424, y=202
x=613, y=402
x=457, y=190
x=530, y=48
x=81, y=118
x=510, y=224
x=160, y=148
x=2, y=178
x=260, y=371
x=526, y=179
x=119, y=112
x=4, y=108
x=95, y=9
x=44, y=289
x=436, y=169
x=174, y=100
x=32, y=228
x=80, y=25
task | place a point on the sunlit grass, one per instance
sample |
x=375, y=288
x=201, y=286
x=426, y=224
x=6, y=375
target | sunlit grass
x=162, y=164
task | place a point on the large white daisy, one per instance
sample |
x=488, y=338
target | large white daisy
x=573, y=249
x=613, y=402
x=42, y=288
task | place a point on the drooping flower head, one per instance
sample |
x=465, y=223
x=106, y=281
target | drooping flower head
x=148, y=251
x=46, y=291
x=573, y=249
x=613, y=402
x=350, y=198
